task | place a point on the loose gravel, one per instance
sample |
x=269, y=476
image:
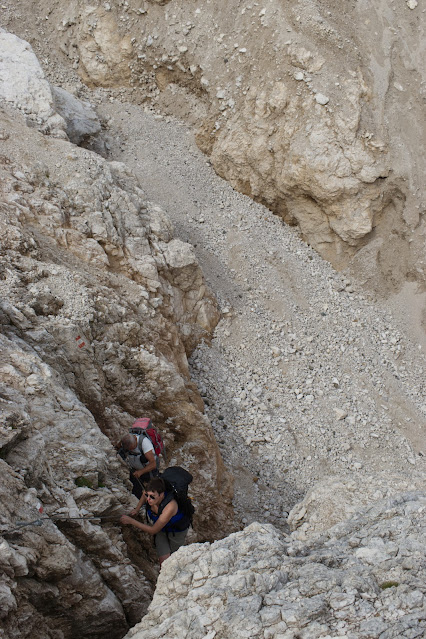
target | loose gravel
x=307, y=376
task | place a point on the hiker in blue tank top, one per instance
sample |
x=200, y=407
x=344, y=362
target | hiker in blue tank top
x=168, y=523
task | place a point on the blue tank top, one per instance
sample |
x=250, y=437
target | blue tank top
x=177, y=523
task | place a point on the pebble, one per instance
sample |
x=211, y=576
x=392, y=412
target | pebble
x=322, y=99
x=340, y=414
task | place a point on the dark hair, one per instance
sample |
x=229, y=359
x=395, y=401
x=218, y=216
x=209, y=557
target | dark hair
x=128, y=441
x=156, y=485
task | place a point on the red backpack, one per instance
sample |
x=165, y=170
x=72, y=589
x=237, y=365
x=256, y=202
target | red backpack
x=144, y=426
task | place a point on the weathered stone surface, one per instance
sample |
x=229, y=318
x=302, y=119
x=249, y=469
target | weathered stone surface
x=23, y=84
x=257, y=584
x=77, y=256
x=61, y=566
x=105, y=53
x=81, y=120
x=299, y=151
x=335, y=499
x=92, y=301
x=305, y=118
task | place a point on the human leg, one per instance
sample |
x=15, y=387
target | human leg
x=177, y=539
x=137, y=489
x=168, y=543
x=162, y=546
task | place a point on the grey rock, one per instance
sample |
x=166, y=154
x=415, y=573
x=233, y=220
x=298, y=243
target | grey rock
x=250, y=583
x=81, y=119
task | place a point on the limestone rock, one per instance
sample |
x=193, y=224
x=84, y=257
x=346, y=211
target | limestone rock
x=322, y=99
x=81, y=120
x=93, y=299
x=104, y=53
x=311, y=160
x=259, y=584
x=24, y=85
x=338, y=172
x=104, y=307
x=335, y=499
x=305, y=59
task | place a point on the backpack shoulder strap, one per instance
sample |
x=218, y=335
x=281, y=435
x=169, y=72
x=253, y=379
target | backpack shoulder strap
x=148, y=436
x=168, y=497
x=140, y=439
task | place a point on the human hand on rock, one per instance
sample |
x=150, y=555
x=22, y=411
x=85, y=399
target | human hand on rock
x=125, y=519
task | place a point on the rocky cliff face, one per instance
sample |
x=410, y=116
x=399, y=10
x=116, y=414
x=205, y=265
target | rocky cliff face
x=363, y=578
x=100, y=306
x=314, y=111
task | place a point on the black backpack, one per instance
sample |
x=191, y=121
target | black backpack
x=177, y=480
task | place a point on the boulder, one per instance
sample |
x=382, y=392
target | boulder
x=335, y=499
x=81, y=120
x=24, y=86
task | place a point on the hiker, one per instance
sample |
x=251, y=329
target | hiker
x=168, y=523
x=138, y=451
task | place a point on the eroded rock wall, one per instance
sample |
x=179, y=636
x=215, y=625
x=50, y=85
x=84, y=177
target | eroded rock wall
x=362, y=578
x=335, y=499
x=314, y=111
x=100, y=306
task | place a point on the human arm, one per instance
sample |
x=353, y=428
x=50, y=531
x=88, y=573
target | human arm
x=151, y=465
x=141, y=502
x=148, y=457
x=169, y=511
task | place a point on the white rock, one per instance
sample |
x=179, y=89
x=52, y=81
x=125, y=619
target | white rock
x=23, y=83
x=322, y=99
x=340, y=413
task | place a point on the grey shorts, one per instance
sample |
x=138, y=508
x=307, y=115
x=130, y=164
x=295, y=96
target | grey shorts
x=168, y=543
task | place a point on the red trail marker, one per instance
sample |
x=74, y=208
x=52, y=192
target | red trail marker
x=79, y=341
